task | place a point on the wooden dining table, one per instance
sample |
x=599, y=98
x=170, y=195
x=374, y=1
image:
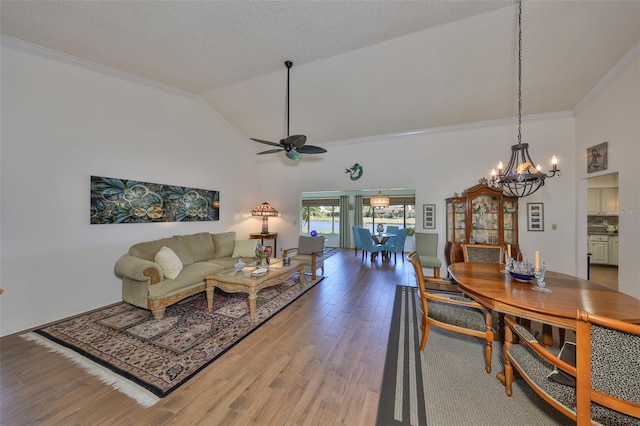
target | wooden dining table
x=500, y=292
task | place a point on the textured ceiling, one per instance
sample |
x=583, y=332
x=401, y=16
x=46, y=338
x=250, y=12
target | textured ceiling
x=361, y=68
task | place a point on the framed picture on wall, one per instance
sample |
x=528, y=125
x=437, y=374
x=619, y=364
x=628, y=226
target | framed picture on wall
x=429, y=215
x=535, y=216
x=597, y=158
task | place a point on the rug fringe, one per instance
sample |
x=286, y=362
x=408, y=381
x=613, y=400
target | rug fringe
x=119, y=383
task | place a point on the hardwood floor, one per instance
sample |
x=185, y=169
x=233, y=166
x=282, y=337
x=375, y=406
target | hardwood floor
x=604, y=275
x=318, y=362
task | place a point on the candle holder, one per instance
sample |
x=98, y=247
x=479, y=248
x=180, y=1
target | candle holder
x=508, y=263
x=541, y=284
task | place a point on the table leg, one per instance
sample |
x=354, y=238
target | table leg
x=253, y=295
x=209, y=290
x=301, y=277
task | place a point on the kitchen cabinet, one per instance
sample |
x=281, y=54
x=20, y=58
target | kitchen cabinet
x=599, y=249
x=480, y=215
x=613, y=250
x=602, y=201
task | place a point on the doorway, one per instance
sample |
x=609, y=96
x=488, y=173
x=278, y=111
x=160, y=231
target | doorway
x=602, y=229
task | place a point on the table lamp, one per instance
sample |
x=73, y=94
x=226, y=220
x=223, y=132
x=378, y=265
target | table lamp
x=265, y=210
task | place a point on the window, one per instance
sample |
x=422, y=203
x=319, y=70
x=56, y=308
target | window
x=321, y=215
x=400, y=212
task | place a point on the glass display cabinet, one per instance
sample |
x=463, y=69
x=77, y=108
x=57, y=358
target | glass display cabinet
x=480, y=215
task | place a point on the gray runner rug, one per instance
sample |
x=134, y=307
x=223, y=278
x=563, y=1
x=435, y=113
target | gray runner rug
x=447, y=385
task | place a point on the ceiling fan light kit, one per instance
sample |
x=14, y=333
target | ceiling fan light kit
x=293, y=146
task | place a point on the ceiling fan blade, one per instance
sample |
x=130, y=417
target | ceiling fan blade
x=296, y=140
x=265, y=142
x=310, y=149
x=270, y=151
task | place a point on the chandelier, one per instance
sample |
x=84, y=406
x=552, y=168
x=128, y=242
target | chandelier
x=379, y=201
x=521, y=178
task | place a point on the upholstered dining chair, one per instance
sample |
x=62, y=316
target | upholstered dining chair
x=452, y=312
x=485, y=253
x=427, y=246
x=396, y=245
x=368, y=246
x=356, y=238
x=309, y=251
x=392, y=229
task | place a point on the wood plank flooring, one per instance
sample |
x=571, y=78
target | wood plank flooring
x=317, y=362
x=604, y=275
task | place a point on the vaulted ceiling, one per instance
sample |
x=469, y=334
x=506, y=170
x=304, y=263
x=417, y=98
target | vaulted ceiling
x=361, y=68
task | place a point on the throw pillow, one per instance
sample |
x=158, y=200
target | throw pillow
x=245, y=248
x=169, y=262
x=568, y=355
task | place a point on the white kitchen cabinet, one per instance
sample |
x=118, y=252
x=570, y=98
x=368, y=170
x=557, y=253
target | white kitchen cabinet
x=613, y=250
x=602, y=201
x=599, y=249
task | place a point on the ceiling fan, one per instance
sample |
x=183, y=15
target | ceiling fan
x=293, y=146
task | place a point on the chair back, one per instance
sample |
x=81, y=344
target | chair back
x=308, y=245
x=607, y=369
x=484, y=253
x=392, y=229
x=356, y=236
x=397, y=245
x=367, y=241
x=427, y=244
x=414, y=258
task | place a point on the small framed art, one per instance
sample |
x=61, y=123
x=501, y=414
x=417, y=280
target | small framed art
x=429, y=214
x=597, y=158
x=535, y=216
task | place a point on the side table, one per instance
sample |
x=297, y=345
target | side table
x=270, y=236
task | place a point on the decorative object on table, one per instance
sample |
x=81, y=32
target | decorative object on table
x=379, y=201
x=539, y=274
x=115, y=200
x=380, y=229
x=261, y=255
x=521, y=177
x=293, y=146
x=597, y=158
x=429, y=215
x=240, y=265
x=355, y=172
x=286, y=261
x=521, y=270
x=313, y=233
x=264, y=210
x=167, y=353
x=535, y=216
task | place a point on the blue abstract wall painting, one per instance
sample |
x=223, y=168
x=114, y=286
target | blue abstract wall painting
x=128, y=201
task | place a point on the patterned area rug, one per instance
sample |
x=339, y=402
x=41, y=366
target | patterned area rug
x=148, y=359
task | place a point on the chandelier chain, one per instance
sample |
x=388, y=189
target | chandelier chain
x=519, y=71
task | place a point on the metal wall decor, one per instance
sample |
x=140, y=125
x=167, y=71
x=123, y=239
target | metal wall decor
x=355, y=172
x=116, y=200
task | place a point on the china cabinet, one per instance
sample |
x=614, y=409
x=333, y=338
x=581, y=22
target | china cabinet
x=480, y=215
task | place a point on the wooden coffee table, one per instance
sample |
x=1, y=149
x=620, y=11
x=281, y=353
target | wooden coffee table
x=232, y=281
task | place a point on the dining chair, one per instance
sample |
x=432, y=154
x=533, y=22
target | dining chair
x=356, y=238
x=452, y=312
x=392, y=229
x=592, y=381
x=368, y=246
x=309, y=251
x=485, y=253
x=427, y=246
x=396, y=245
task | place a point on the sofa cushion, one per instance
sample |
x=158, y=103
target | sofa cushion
x=190, y=277
x=169, y=262
x=199, y=245
x=245, y=248
x=224, y=243
x=148, y=250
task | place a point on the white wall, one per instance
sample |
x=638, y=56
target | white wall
x=62, y=123
x=614, y=117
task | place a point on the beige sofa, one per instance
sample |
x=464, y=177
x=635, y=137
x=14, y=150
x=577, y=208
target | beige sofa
x=152, y=282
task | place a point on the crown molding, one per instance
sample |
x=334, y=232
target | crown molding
x=45, y=52
x=626, y=60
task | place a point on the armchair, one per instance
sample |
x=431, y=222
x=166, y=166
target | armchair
x=309, y=251
x=452, y=312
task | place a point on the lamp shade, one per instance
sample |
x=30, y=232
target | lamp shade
x=264, y=210
x=379, y=201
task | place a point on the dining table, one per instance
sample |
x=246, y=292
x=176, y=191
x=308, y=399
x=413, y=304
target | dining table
x=381, y=238
x=497, y=290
